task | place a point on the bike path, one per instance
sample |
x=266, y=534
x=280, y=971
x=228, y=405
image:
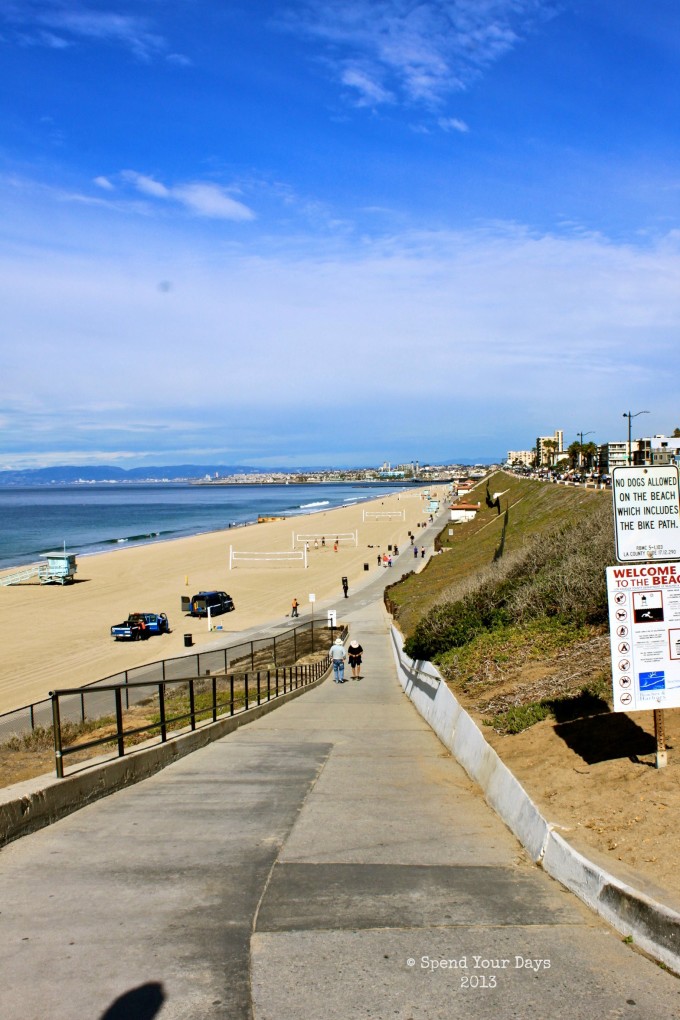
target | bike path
x=294, y=869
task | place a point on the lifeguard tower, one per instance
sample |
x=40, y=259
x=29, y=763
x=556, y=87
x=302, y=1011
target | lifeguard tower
x=59, y=568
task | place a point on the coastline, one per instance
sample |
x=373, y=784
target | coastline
x=58, y=636
x=157, y=534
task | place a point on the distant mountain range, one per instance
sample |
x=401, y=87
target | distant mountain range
x=65, y=473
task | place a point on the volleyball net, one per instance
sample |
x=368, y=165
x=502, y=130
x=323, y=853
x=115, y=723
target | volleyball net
x=320, y=541
x=285, y=557
x=384, y=515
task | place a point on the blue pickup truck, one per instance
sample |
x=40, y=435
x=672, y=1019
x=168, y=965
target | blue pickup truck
x=140, y=626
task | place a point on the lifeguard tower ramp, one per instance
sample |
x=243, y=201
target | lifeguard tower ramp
x=59, y=568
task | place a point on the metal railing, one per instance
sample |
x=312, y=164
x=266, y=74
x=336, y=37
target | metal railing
x=280, y=649
x=207, y=699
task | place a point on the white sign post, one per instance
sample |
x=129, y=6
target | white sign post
x=644, y=600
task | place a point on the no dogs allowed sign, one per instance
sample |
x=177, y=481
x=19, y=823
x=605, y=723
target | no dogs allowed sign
x=646, y=513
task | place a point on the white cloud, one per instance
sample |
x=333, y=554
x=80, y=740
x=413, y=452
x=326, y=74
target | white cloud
x=212, y=201
x=423, y=51
x=453, y=124
x=58, y=25
x=104, y=183
x=200, y=198
x=539, y=330
x=370, y=92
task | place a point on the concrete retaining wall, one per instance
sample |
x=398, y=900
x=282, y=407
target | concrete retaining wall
x=25, y=807
x=654, y=927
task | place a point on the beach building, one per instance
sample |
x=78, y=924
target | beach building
x=523, y=457
x=549, y=448
x=461, y=512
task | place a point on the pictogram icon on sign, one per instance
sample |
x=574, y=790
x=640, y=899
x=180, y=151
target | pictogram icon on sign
x=619, y=598
x=624, y=647
x=622, y=631
x=624, y=665
x=626, y=698
x=621, y=614
x=624, y=681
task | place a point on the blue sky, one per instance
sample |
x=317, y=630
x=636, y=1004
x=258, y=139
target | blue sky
x=304, y=232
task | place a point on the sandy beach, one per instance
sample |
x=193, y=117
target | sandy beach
x=54, y=636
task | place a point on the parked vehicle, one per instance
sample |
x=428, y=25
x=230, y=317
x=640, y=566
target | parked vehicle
x=140, y=626
x=216, y=601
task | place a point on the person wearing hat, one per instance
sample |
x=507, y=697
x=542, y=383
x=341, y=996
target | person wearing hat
x=354, y=657
x=337, y=654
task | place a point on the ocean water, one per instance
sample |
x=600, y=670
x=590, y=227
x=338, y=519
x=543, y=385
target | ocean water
x=94, y=518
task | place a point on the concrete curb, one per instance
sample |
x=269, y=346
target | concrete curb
x=25, y=807
x=654, y=927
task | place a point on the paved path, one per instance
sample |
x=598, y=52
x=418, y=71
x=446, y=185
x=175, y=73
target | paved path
x=292, y=871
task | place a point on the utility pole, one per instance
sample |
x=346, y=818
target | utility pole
x=629, y=415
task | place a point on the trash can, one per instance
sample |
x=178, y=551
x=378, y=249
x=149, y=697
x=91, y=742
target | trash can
x=188, y=640
x=365, y=566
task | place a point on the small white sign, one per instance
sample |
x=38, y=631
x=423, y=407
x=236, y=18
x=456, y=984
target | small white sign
x=312, y=598
x=644, y=627
x=646, y=513
x=332, y=618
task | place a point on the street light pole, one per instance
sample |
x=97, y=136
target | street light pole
x=629, y=415
x=580, y=452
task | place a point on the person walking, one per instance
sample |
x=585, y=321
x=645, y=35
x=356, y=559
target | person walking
x=415, y=552
x=354, y=657
x=337, y=654
x=294, y=608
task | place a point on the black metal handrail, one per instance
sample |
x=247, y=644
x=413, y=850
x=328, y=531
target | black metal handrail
x=244, y=689
x=227, y=659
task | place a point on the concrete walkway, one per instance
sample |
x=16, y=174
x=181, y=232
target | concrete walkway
x=315, y=864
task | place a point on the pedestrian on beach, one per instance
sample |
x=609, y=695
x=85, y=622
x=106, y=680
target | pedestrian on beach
x=345, y=586
x=415, y=552
x=323, y=542
x=389, y=561
x=379, y=560
x=411, y=537
x=337, y=654
x=396, y=550
x=384, y=559
x=294, y=608
x=422, y=553
x=316, y=543
x=354, y=657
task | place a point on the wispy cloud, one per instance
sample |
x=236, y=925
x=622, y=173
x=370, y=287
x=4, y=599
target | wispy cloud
x=419, y=52
x=200, y=198
x=59, y=24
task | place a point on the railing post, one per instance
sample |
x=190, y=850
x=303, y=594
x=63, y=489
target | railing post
x=231, y=694
x=192, y=703
x=32, y=717
x=161, y=707
x=214, y=699
x=276, y=683
x=245, y=687
x=252, y=655
x=258, y=687
x=119, y=722
x=274, y=656
x=82, y=706
x=269, y=685
x=56, y=731
x=295, y=642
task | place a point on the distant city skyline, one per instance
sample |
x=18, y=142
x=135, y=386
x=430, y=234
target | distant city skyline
x=300, y=233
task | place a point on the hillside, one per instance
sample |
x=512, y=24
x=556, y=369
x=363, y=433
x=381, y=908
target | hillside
x=514, y=613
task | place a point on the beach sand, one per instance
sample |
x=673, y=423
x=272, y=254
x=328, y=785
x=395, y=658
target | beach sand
x=54, y=636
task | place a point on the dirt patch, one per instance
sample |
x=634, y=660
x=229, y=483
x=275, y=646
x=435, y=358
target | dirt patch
x=591, y=771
